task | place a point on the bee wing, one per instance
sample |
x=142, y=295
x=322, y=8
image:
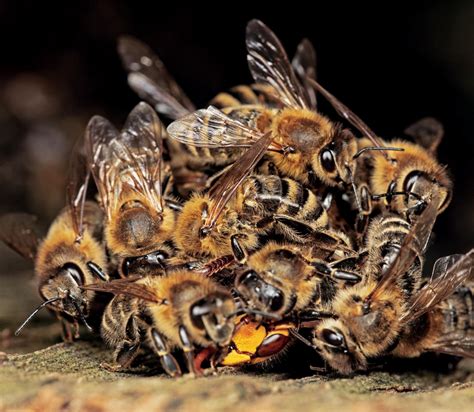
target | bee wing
x=98, y=137
x=138, y=151
x=427, y=132
x=214, y=129
x=19, y=231
x=448, y=274
x=304, y=64
x=221, y=192
x=125, y=287
x=76, y=189
x=269, y=64
x=149, y=78
x=458, y=343
x=413, y=244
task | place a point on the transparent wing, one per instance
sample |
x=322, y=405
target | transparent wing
x=455, y=270
x=222, y=191
x=99, y=135
x=212, y=128
x=137, y=154
x=19, y=231
x=76, y=189
x=150, y=79
x=304, y=64
x=269, y=64
x=427, y=132
x=459, y=343
x=125, y=287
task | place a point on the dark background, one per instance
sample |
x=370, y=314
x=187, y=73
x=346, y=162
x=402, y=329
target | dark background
x=390, y=64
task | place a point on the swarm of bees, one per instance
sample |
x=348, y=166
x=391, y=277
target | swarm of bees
x=249, y=226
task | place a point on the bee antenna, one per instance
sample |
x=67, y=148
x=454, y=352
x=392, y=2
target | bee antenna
x=376, y=148
x=81, y=314
x=17, y=332
x=301, y=338
x=249, y=311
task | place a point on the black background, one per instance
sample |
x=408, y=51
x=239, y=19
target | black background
x=392, y=64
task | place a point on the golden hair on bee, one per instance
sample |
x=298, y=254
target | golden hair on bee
x=180, y=309
x=128, y=169
x=189, y=237
x=414, y=170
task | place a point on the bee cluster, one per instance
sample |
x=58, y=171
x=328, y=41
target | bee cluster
x=249, y=225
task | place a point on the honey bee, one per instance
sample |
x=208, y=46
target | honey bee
x=449, y=326
x=408, y=179
x=306, y=146
x=128, y=170
x=245, y=207
x=276, y=286
x=69, y=256
x=369, y=317
x=283, y=280
x=181, y=309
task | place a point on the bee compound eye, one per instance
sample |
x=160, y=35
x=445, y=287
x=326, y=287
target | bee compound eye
x=276, y=301
x=332, y=337
x=411, y=180
x=327, y=160
x=73, y=271
x=126, y=266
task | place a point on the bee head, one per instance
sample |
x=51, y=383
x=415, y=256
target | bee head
x=214, y=315
x=338, y=347
x=65, y=285
x=259, y=294
x=419, y=186
x=334, y=163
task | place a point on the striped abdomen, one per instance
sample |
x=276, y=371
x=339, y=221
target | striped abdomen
x=273, y=195
x=458, y=314
x=384, y=240
x=117, y=321
x=247, y=94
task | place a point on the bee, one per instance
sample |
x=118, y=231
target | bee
x=447, y=327
x=247, y=207
x=408, y=179
x=276, y=286
x=369, y=317
x=128, y=170
x=306, y=146
x=71, y=254
x=282, y=280
x=180, y=309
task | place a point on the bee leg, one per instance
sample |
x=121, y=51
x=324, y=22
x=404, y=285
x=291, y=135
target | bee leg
x=366, y=208
x=66, y=332
x=188, y=350
x=296, y=226
x=127, y=350
x=237, y=249
x=124, y=356
x=167, y=360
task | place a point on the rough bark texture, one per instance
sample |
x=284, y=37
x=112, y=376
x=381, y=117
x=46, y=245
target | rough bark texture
x=68, y=377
